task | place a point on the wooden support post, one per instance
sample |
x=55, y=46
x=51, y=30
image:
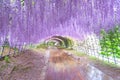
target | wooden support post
x=9, y=50
x=14, y=51
x=2, y=50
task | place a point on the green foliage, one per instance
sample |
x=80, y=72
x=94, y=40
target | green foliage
x=51, y=43
x=110, y=42
x=7, y=59
x=70, y=43
x=42, y=45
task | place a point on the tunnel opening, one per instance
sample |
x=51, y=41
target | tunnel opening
x=59, y=42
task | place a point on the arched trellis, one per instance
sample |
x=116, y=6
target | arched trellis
x=54, y=40
x=64, y=41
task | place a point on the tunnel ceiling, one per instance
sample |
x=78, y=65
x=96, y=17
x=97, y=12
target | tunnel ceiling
x=32, y=20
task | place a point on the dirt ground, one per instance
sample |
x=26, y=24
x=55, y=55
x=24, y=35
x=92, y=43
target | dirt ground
x=32, y=65
x=109, y=69
x=83, y=67
x=28, y=65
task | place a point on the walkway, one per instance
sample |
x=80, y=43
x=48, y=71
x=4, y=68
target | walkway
x=53, y=65
x=64, y=67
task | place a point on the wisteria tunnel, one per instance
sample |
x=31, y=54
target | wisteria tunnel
x=59, y=39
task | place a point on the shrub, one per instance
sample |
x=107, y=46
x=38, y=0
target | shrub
x=7, y=59
x=110, y=42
